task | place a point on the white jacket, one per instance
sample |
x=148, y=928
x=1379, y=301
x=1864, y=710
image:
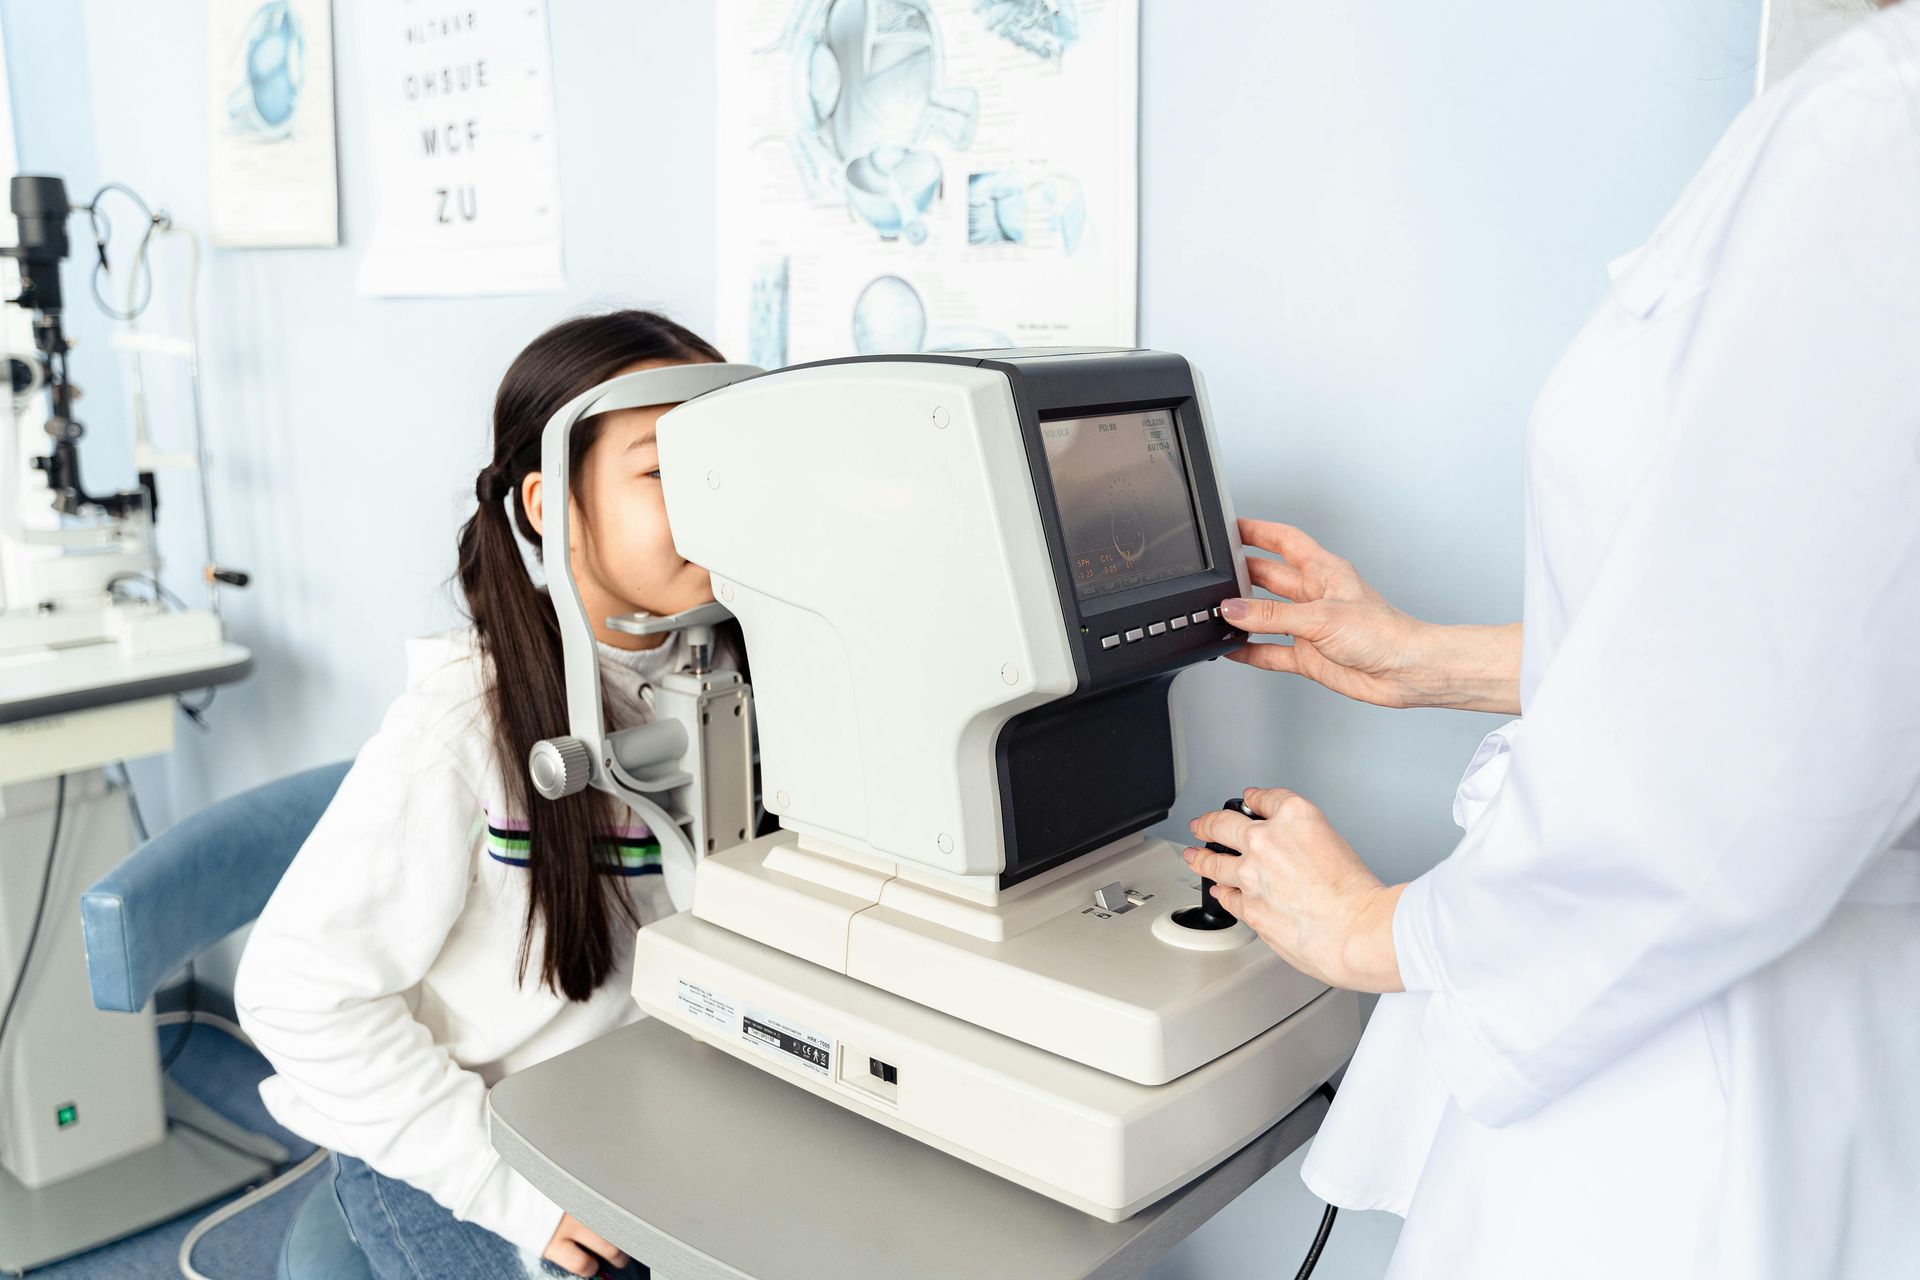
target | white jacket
x=382, y=979
x=1663, y=1009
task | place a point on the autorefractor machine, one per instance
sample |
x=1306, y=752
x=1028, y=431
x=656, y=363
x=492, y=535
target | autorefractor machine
x=966, y=584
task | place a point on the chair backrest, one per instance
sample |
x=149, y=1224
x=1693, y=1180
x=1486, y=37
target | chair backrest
x=192, y=885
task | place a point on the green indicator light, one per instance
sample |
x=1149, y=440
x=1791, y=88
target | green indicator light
x=67, y=1115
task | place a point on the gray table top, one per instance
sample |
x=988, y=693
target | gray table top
x=704, y=1167
x=62, y=681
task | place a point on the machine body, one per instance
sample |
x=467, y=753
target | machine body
x=966, y=585
x=93, y=661
x=67, y=553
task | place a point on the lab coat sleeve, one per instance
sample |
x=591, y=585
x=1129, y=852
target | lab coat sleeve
x=325, y=982
x=1730, y=729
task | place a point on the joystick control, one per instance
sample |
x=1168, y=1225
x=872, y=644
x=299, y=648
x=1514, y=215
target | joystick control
x=1212, y=914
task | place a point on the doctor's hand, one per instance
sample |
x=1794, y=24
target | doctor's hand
x=1348, y=638
x=1300, y=886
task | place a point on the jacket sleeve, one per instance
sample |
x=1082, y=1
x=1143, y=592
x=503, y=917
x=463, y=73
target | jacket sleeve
x=325, y=982
x=1729, y=731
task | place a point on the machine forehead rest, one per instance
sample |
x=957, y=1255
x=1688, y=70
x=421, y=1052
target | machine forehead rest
x=672, y=384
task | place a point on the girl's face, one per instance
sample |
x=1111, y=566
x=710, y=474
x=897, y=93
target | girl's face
x=622, y=549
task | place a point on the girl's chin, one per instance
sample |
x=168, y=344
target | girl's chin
x=677, y=601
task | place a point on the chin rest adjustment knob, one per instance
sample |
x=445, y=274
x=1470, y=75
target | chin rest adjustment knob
x=560, y=767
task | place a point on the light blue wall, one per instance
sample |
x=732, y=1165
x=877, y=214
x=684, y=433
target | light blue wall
x=1374, y=225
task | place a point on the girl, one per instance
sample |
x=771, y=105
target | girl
x=440, y=929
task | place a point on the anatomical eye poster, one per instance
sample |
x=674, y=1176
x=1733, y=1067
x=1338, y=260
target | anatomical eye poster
x=271, y=174
x=926, y=175
x=458, y=104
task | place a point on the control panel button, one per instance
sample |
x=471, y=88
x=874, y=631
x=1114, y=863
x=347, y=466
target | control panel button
x=1135, y=634
x=1156, y=628
x=1178, y=624
x=1112, y=897
x=1200, y=616
x=1110, y=642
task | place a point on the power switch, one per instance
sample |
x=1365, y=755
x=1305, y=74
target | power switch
x=1112, y=897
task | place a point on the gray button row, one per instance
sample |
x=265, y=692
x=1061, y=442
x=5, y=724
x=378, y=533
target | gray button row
x=1158, y=628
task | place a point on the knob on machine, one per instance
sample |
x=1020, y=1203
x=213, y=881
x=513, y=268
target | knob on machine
x=1211, y=914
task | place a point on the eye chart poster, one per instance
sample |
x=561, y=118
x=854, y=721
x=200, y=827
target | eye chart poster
x=926, y=175
x=464, y=166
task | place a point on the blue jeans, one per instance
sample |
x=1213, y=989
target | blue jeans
x=408, y=1235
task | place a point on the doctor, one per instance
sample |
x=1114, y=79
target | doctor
x=1661, y=1010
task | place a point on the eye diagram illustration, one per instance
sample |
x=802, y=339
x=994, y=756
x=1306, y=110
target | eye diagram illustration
x=871, y=96
x=767, y=319
x=1004, y=206
x=1044, y=28
x=1123, y=519
x=889, y=318
x=262, y=106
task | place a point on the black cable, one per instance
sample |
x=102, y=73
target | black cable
x=196, y=712
x=39, y=909
x=186, y=1028
x=133, y=804
x=103, y=232
x=1312, y=1260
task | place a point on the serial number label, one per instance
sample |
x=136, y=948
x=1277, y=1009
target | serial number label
x=812, y=1052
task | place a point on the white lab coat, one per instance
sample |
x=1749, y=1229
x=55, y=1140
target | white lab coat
x=1663, y=1010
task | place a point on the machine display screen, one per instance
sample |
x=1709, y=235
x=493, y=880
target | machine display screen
x=1126, y=510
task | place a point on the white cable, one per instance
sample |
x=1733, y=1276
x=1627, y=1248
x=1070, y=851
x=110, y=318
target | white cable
x=192, y=319
x=190, y=313
x=227, y=1025
x=228, y=1212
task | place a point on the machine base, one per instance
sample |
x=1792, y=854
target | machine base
x=1044, y=964
x=1104, y=1145
x=113, y=1201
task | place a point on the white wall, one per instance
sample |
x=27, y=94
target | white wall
x=1374, y=225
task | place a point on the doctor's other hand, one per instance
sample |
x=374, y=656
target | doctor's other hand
x=581, y=1250
x=1300, y=886
x=1348, y=638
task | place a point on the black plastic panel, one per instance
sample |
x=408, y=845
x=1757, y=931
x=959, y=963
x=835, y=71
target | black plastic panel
x=1078, y=774
x=1090, y=386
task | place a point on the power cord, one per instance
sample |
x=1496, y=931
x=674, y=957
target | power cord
x=189, y=1022
x=39, y=909
x=133, y=804
x=1319, y=1244
x=229, y=1212
x=273, y=1187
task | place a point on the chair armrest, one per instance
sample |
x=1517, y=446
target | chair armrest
x=195, y=883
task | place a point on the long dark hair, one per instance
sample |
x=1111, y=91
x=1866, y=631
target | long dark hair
x=526, y=688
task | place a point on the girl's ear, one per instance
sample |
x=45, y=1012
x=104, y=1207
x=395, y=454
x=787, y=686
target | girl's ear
x=530, y=502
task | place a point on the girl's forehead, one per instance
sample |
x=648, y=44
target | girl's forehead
x=625, y=427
